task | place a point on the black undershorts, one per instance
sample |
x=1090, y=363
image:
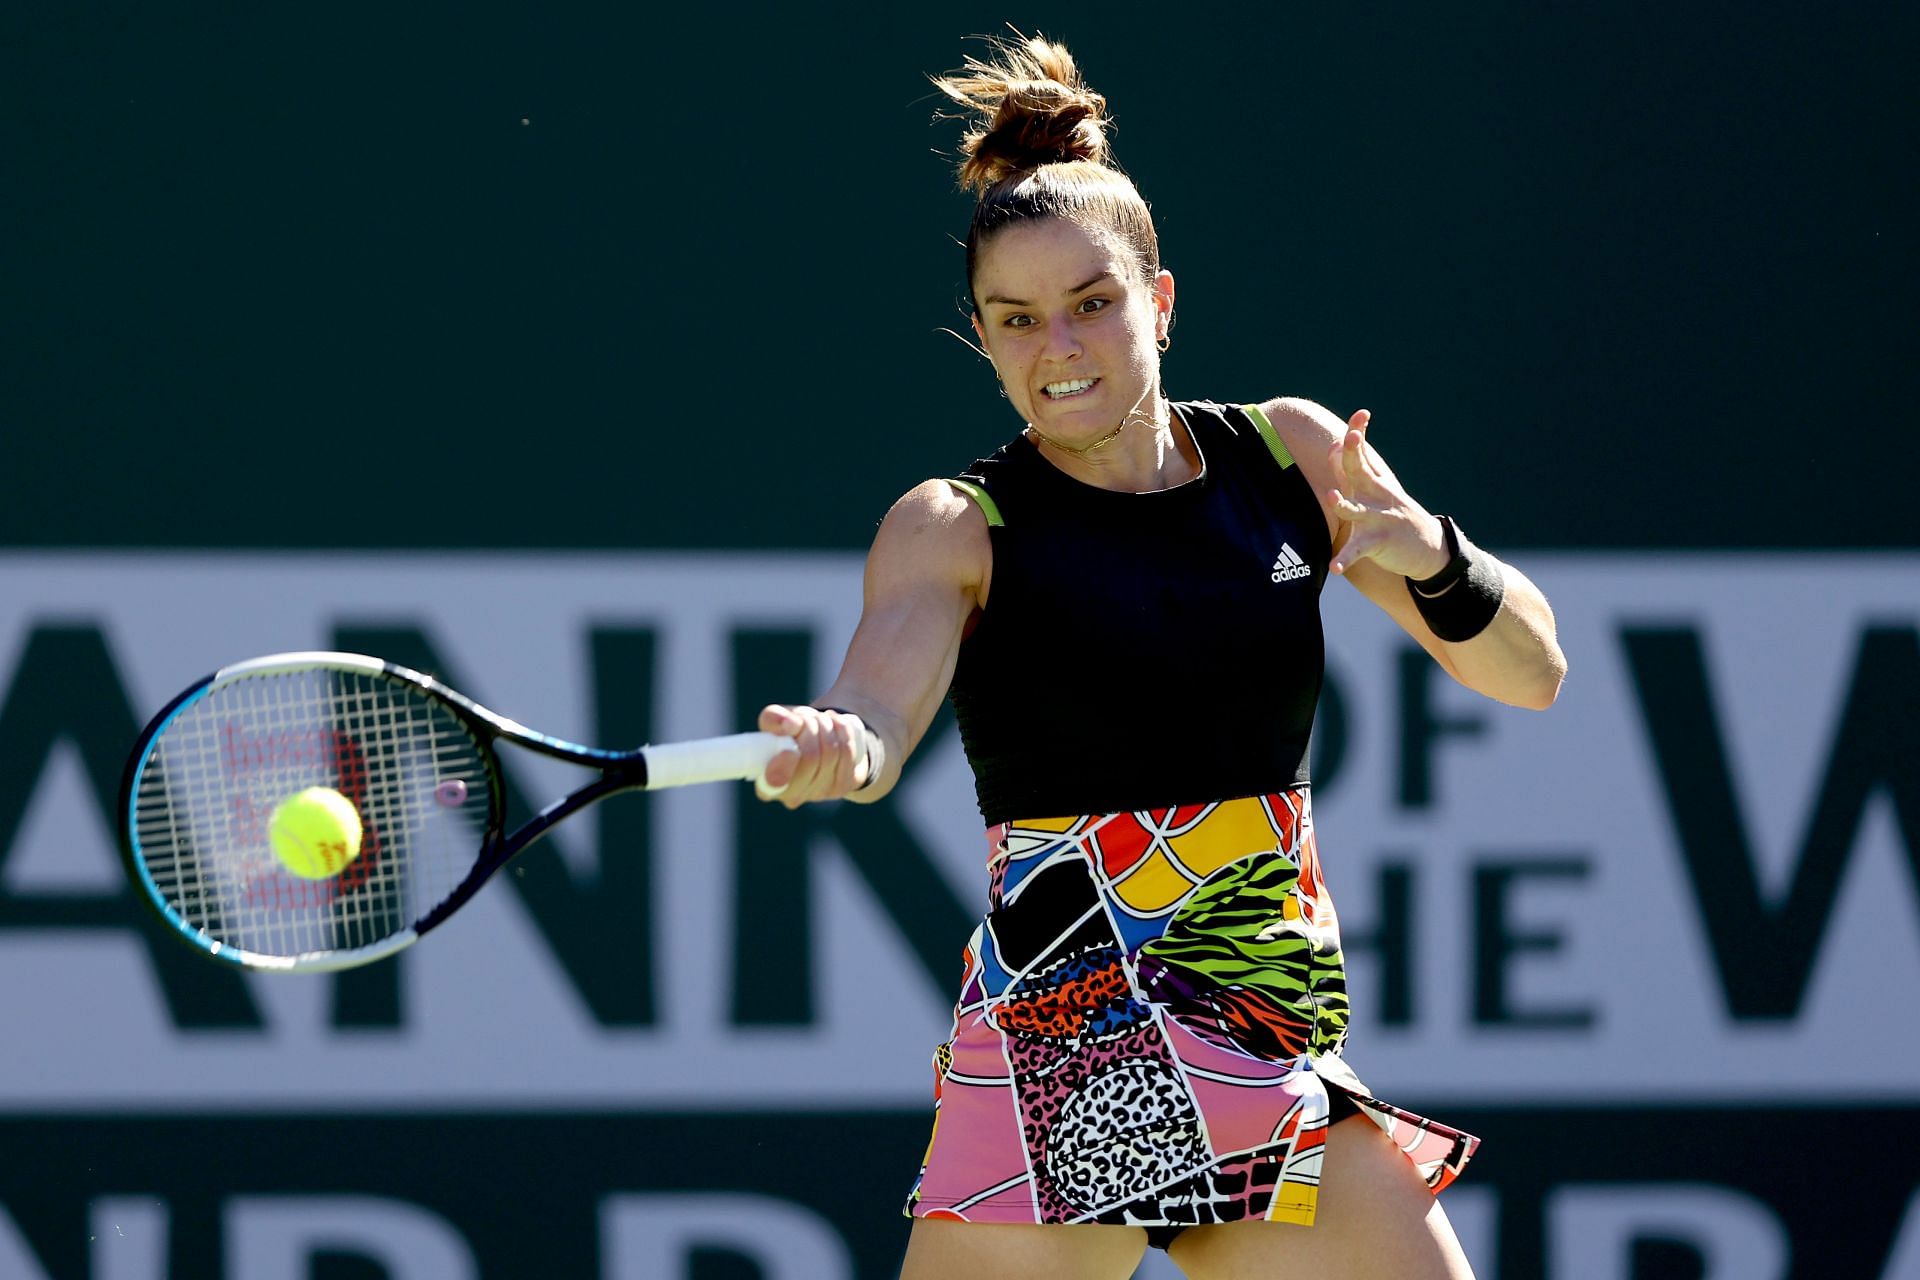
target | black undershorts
x=1339, y=1107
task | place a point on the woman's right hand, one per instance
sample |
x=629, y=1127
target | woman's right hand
x=831, y=761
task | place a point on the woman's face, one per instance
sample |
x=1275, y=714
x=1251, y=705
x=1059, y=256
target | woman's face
x=1070, y=326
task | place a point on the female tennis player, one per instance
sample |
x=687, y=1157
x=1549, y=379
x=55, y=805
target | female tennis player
x=1123, y=604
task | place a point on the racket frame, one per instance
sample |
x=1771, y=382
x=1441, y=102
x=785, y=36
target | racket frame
x=736, y=756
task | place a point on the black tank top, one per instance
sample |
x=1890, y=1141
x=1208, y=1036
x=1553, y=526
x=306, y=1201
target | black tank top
x=1145, y=650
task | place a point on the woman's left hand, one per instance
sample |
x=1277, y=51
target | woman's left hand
x=1383, y=524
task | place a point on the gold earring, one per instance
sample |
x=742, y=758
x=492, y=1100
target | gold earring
x=1165, y=340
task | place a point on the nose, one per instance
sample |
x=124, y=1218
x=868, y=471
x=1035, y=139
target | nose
x=1061, y=343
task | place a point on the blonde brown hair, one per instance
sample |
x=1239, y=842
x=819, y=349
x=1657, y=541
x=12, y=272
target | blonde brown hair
x=1037, y=148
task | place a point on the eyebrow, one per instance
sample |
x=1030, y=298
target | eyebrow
x=1022, y=302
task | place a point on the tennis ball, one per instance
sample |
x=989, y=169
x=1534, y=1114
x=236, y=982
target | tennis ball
x=315, y=833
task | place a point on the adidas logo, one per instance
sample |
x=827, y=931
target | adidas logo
x=1288, y=565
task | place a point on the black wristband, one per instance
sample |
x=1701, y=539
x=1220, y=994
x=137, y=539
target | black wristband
x=876, y=748
x=1461, y=600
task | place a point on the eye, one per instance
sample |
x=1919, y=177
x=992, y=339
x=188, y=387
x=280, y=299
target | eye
x=1089, y=306
x=1018, y=320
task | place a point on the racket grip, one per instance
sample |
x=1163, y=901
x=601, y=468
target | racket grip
x=735, y=757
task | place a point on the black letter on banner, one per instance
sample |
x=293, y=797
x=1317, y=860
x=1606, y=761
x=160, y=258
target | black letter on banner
x=1419, y=726
x=1494, y=943
x=1766, y=952
x=774, y=902
x=602, y=932
x=1391, y=939
x=66, y=689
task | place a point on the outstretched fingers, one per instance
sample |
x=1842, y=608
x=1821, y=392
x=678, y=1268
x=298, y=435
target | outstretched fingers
x=1357, y=499
x=1362, y=541
x=1356, y=461
x=1348, y=509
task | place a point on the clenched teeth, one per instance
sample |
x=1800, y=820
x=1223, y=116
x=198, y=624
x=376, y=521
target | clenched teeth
x=1069, y=387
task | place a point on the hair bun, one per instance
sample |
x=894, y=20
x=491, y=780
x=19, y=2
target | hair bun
x=1030, y=107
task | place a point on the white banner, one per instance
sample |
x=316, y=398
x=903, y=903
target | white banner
x=1623, y=899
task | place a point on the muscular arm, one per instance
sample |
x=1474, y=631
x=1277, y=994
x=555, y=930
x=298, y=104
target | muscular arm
x=1516, y=660
x=926, y=573
x=1381, y=537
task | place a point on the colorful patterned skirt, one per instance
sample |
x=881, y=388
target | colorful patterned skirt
x=1149, y=1021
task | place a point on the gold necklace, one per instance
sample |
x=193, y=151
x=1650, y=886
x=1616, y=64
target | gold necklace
x=1084, y=449
x=1105, y=440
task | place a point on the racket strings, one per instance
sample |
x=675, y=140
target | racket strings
x=202, y=804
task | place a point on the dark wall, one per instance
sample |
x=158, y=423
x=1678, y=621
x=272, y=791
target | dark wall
x=1608, y=275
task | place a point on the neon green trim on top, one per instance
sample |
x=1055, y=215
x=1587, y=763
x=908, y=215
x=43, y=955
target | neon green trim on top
x=1267, y=433
x=979, y=495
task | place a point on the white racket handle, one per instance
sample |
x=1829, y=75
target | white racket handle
x=735, y=757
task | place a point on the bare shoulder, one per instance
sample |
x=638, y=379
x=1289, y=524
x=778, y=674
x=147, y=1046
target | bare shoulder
x=936, y=511
x=933, y=532
x=1307, y=429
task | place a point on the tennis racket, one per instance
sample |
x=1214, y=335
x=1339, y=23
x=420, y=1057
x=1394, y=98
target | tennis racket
x=414, y=757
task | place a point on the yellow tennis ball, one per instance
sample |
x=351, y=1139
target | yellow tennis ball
x=315, y=833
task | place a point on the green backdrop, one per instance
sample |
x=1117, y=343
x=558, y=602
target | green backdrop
x=1619, y=275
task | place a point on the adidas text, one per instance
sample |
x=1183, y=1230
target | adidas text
x=1288, y=565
